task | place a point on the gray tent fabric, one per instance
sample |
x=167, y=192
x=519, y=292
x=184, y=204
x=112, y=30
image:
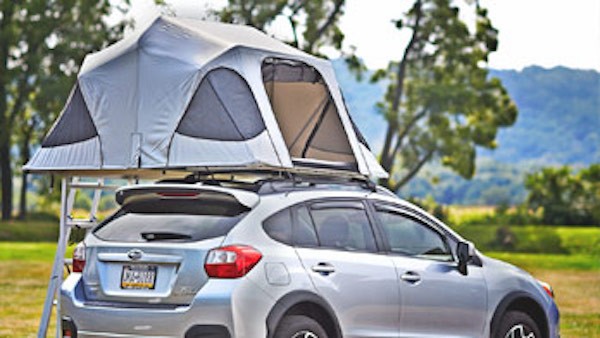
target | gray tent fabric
x=73, y=125
x=223, y=108
x=183, y=94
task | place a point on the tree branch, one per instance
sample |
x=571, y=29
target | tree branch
x=293, y=25
x=414, y=170
x=407, y=129
x=387, y=157
x=330, y=20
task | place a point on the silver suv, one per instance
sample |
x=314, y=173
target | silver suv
x=290, y=258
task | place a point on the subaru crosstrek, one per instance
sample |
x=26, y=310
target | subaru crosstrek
x=291, y=258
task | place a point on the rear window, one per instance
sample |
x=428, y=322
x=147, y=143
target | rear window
x=174, y=220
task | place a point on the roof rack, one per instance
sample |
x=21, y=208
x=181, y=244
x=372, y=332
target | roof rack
x=261, y=181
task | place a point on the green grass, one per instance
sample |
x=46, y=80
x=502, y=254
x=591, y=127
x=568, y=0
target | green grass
x=27, y=251
x=530, y=262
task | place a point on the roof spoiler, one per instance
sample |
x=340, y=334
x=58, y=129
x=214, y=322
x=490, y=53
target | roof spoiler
x=246, y=198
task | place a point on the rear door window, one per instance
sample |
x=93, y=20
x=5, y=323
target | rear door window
x=179, y=220
x=343, y=225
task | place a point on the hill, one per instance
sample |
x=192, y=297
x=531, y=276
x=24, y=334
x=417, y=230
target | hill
x=558, y=123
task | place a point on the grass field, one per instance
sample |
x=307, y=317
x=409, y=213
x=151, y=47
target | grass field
x=25, y=268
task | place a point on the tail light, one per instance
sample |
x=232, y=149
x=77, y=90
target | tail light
x=232, y=261
x=69, y=330
x=79, y=257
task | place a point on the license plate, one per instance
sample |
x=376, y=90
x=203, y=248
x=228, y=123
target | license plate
x=138, y=277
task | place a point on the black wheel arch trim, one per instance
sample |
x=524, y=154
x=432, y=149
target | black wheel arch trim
x=504, y=305
x=288, y=301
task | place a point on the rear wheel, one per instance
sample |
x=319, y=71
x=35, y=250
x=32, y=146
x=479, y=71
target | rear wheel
x=298, y=326
x=517, y=324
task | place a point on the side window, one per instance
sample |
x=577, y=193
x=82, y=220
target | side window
x=343, y=227
x=304, y=231
x=279, y=226
x=409, y=236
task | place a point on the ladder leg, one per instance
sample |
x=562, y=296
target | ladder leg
x=57, y=267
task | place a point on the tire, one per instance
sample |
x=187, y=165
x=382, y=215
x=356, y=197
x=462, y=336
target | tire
x=517, y=324
x=298, y=326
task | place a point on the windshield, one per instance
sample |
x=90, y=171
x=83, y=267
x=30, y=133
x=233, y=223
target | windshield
x=174, y=220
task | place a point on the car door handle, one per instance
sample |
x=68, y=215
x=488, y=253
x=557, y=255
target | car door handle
x=323, y=268
x=411, y=277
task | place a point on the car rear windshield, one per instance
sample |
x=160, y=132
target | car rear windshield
x=178, y=220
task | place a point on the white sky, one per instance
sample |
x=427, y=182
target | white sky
x=547, y=33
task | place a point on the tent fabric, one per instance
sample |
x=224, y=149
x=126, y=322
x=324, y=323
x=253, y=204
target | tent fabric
x=223, y=108
x=74, y=123
x=181, y=93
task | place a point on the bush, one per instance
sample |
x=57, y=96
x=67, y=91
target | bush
x=565, y=197
x=531, y=238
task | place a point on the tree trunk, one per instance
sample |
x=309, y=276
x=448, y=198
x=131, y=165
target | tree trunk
x=388, y=157
x=26, y=154
x=7, y=187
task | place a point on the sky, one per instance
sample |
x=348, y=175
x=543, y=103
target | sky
x=546, y=33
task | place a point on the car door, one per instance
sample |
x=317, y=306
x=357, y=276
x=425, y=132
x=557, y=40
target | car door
x=436, y=300
x=342, y=260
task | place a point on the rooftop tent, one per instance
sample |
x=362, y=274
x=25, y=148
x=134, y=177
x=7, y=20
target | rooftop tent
x=187, y=94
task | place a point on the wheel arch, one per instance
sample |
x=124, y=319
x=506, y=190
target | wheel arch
x=520, y=301
x=305, y=303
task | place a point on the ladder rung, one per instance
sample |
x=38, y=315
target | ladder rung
x=92, y=185
x=82, y=223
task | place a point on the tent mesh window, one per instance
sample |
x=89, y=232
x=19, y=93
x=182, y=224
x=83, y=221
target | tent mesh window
x=223, y=108
x=74, y=123
x=305, y=111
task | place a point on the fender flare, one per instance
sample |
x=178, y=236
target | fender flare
x=505, y=303
x=293, y=298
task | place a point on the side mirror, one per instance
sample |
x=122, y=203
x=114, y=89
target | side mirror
x=465, y=252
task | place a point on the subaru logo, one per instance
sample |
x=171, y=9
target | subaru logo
x=135, y=254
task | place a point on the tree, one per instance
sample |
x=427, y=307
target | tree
x=564, y=197
x=42, y=44
x=440, y=102
x=313, y=23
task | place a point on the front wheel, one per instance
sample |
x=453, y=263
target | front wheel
x=517, y=324
x=299, y=327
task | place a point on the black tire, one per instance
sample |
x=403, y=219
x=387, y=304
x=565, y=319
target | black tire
x=299, y=327
x=520, y=323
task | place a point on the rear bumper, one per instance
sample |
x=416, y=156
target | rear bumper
x=223, y=308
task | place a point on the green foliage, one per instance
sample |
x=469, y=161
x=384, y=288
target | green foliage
x=533, y=238
x=107, y=202
x=42, y=44
x=495, y=183
x=440, y=102
x=314, y=23
x=82, y=201
x=430, y=205
x=29, y=231
x=566, y=197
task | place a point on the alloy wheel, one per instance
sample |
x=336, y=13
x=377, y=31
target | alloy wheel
x=519, y=331
x=305, y=334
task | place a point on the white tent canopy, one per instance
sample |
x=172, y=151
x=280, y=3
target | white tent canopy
x=185, y=94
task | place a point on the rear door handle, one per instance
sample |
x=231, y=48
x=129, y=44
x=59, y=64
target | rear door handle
x=323, y=268
x=411, y=277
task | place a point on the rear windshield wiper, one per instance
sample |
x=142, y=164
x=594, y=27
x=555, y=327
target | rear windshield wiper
x=164, y=236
